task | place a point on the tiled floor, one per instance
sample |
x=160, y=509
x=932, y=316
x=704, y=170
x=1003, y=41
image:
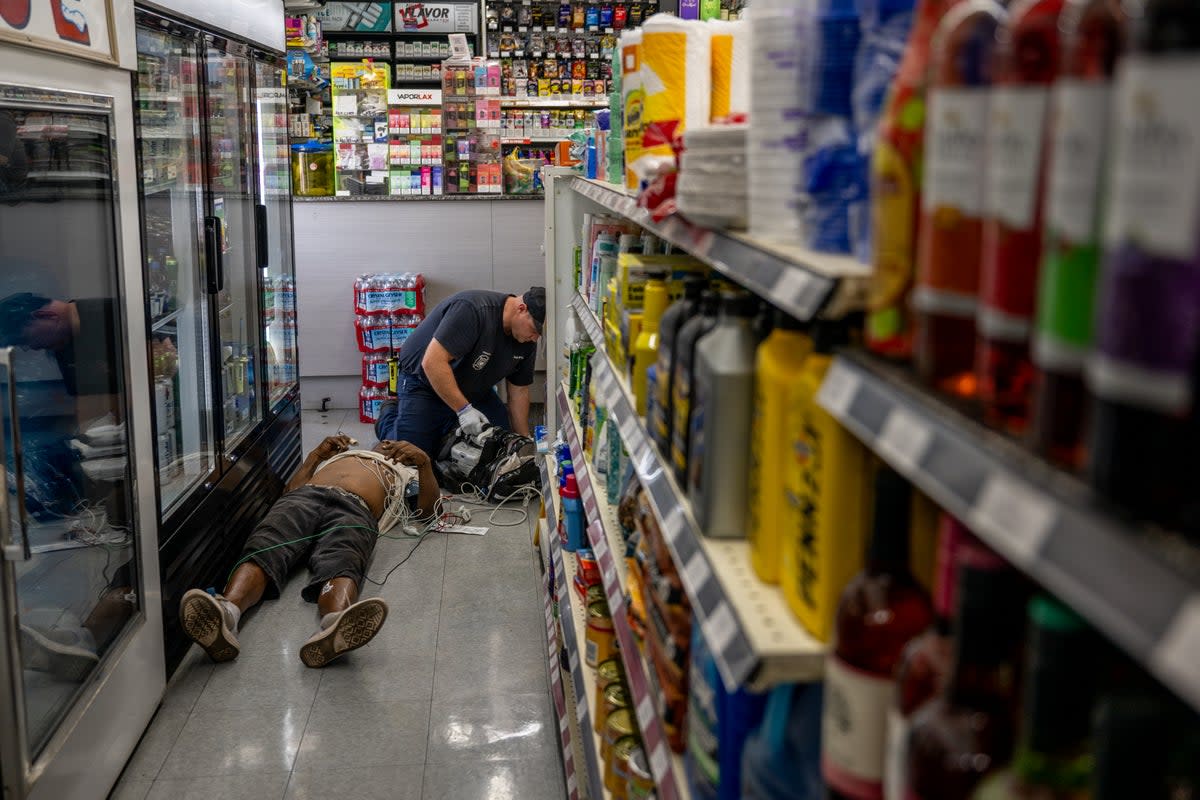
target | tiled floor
x=449, y=702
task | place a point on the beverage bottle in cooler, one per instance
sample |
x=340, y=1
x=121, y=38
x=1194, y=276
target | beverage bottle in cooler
x=669, y=326
x=926, y=661
x=719, y=434
x=1053, y=759
x=896, y=170
x=880, y=611
x=1143, y=371
x=645, y=348
x=966, y=731
x=287, y=294
x=681, y=401
x=949, y=244
x=1027, y=61
x=777, y=371
x=1093, y=39
x=826, y=479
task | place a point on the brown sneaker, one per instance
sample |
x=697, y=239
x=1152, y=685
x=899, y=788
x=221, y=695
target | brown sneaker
x=348, y=631
x=205, y=621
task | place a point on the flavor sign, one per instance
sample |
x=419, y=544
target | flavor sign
x=436, y=18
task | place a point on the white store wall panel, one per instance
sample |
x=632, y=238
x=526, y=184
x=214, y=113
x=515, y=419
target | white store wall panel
x=457, y=245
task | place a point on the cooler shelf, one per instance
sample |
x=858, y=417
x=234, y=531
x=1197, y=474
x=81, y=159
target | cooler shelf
x=583, y=677
x=1139, y=587
x=802, y=282
x=605, y=540
x=755, y=639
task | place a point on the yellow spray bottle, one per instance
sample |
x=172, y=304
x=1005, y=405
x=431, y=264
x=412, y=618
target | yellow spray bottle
x=645, y=350
x=777, y=372
x=827, y=482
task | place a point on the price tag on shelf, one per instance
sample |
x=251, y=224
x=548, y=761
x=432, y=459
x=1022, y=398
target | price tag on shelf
x=522, y=29
x=610, y=580
x=838, y=390
x=600, y=548
x=645, y=712
x=904, y=440
x=1177, y=655
x=658, y=762
x=1018, y=518
x=696, y=571
x=793, y=287
x=720, y=629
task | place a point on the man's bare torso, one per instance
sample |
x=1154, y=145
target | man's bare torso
x=363, y=476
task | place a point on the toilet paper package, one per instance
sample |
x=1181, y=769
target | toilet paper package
x=632, y=96
x=676, y=81
x=781, y=103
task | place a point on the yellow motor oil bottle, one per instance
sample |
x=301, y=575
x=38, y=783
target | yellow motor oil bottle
x=827, y=483
x=777, y=371
x=645, y=350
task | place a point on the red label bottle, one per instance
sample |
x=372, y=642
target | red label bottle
x=880, y=611
x=1026, y=63
x=951, y=227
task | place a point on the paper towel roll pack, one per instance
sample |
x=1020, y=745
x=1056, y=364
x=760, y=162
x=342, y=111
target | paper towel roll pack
x=676, y=78
x=730, y=73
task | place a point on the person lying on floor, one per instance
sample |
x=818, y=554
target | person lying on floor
x=335, y=507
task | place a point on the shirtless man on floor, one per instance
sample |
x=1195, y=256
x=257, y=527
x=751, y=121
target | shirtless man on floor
x=334, y=509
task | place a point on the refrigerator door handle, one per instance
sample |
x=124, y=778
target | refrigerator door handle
x=213, y=255
x=9, y=550
x=260, y=236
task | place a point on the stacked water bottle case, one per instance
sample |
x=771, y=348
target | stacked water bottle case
x=387, y=307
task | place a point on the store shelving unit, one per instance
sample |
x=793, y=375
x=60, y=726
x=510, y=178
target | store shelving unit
x=1138, y=587
x=583, y=677
x=547, y=102
x=802, y=282
x=605, y=541
x=755, y=639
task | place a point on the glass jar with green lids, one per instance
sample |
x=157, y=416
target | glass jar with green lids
x=616, y=772
x=615, y=697
x=312, y=169
x=619, y=724
x=641, y=781
x=608, y=673
x=600, y=635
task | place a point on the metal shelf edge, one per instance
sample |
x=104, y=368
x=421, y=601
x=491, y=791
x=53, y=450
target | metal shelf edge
x=802, y=282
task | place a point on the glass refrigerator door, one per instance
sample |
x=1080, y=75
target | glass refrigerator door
x=69, y=577
x=229, y=233
x=275, y=231
x=171, y=165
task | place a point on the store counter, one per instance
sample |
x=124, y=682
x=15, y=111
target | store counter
x=482, y=242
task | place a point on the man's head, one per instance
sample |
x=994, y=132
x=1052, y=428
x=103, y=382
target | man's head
x=33, y=321
x=531, y=315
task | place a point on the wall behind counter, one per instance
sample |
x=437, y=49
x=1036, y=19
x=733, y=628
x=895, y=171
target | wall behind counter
x=455, y=244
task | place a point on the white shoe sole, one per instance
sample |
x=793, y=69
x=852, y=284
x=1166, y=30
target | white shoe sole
x=204, y=622
x=356, y=626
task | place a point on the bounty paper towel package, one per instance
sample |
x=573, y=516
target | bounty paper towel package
x=630, y=45
x=676, y=81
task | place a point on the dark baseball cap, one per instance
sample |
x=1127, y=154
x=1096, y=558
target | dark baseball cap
x=535, y=301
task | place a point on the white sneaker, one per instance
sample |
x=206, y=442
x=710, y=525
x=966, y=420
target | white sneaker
x=207, y=623
x=349, y=630
x=68, y=653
